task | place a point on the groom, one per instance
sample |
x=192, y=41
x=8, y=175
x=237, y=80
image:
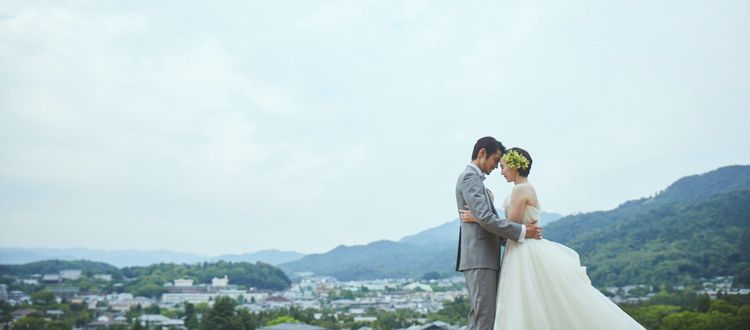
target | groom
x=478, y=243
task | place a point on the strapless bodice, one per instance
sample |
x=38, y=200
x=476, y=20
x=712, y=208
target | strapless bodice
x=529, y=212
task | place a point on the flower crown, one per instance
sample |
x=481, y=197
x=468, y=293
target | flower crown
x=514, y=159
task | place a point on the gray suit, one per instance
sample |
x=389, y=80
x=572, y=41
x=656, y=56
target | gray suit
x=478, y=254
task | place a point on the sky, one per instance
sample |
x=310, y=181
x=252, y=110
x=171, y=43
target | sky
x=238, y=126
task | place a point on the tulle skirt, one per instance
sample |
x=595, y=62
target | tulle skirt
x=543, y=286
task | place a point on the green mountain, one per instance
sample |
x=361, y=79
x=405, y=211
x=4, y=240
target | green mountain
x=697, y=227
x=55, y=266
x=686, y=190
x=125, y=258
x=273, y=257
x=381, y=259
x=149, y=280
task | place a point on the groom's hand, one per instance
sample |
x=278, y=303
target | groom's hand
x=533, y=231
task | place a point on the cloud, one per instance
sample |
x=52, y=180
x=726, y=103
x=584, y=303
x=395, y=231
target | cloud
x=270, y=125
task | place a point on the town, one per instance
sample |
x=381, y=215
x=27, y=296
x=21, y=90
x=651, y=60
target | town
x=357, y=301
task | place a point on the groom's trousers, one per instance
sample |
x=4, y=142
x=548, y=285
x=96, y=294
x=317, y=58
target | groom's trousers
x=482, y=285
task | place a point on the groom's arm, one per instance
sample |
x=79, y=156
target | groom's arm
x=474, y=194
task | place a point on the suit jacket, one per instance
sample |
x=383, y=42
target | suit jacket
x=479, y=242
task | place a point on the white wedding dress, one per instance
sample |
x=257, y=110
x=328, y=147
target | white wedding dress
x=543, y=286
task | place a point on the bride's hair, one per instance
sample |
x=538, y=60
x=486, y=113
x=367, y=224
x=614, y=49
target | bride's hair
x=523, y=172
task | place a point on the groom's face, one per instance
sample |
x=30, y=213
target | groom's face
x=489, y=162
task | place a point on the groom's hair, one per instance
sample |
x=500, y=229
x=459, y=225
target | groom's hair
x=490, y=146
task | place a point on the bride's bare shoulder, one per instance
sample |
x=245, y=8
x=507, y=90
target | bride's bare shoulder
x=523, y=188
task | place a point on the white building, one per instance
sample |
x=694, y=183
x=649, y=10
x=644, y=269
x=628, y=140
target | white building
x=256, y=297
x=220, y=282
x=70, y=274
x=365, y=319
x=179, y=298
x=51, y=278
x=103, y=277
x=124, y=305
x=160, y=320
x=183, y=283
x=417, y=286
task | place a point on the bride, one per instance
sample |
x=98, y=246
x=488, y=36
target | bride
x=542, y=283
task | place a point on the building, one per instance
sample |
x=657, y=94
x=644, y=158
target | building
x=183, y=283
x=31, y=281
x=105, y=321
x=124, y=305
x=70, y=274
x=220, y=282
x=292, y=326
x=179, y=298
x=416, y=286
x=3, y=292
x=22, y=313
x=160, y=320
x=51, y=278
x=64, y=291
x=437, y=325
x=103, y=277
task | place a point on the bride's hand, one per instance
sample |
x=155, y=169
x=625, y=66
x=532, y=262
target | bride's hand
x=467, y=216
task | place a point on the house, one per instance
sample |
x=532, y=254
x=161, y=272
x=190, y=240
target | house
x=160, y=320
x=124, y=305
x=103, y=277
x=183, y=283
x=220, y=282
x=55, y=314
x=292, y=326
x=22, y=313
x=437, y=325
x=30, y=281
x=179, y=298
x=106, y=321
x=51, y=278
x=70, y=274
x=64, y=291
x=278, y=302
x=416, y=286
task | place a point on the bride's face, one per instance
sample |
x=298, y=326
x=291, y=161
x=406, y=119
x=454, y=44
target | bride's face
x=510, y=174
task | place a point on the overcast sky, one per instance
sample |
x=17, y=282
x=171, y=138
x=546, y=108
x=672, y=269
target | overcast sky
x=230, y=127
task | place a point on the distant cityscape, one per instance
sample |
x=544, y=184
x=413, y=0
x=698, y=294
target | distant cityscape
x=345, y=298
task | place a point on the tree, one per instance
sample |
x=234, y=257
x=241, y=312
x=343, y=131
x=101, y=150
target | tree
x=191, y=320
x=651, y=316
x=221, y=316
x=453, y=312
x=43, y=297
x=704, y=303
x=137, y=325
x=282, y=319
x=152, y=309
x=721, y=306
x=246, y=320
x=31, y=323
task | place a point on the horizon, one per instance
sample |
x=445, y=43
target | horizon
x=305, y=126
x=281, y=250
